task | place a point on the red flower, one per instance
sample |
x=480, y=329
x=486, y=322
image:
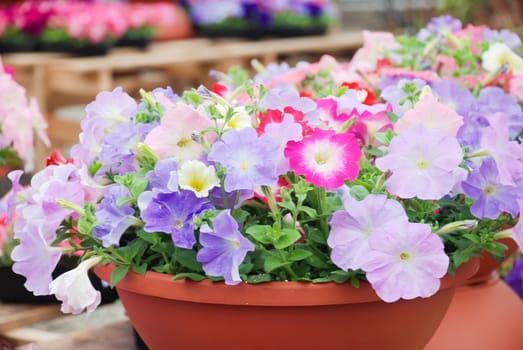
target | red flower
x=219, y=89
x=371, y=97
x=56, y=158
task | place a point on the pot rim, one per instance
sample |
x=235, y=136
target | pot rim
x=276, y=293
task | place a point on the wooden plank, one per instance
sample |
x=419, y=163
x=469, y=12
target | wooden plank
x=20, y=315
x=25, y=335
x=117, y=336
x=185, y=51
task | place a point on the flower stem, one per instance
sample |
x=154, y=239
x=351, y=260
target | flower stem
x=322, y=211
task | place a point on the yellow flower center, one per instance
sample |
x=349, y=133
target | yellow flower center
x=184, y=142
x=404, y=256
x=422, y=164
x=488, y=190
x=321, y=158
x=178, y=223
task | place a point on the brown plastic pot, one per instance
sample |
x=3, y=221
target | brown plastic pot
x=278, y=315
x=485, y=313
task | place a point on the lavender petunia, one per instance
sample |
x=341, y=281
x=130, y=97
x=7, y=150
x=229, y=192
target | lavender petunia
x=490, y=197
x=352, y=227
x=402, y=95
x=511, y=39
x=224, y=248
x=35, y=259
x=422, y=162
x=250, y=160
x=118, y=151
x=104, y=113
x=113, y=219
x=173, y=213
x=164, y=176
x=439, y=27
x=405, y=261
x=453, y=95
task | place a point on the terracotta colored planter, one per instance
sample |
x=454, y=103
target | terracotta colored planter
x=484, y=314
x=278, y=315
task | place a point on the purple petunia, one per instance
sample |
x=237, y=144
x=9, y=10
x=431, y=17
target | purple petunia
x=490, y=197
x=113, y=219
x=515, y=277
x=164, y=176
x=439, y=27
x=173, y=213
x=250, y=160
x=224, y=248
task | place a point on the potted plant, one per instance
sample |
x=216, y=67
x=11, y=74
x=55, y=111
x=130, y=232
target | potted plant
x=477, y=71
x=83, y=28
x=268, y=199
x=21, y=24
x=140, y=24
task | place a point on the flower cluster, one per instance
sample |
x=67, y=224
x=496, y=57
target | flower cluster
x=262, y=17
x=81, y=23
x=325, y=172
x=20, y=121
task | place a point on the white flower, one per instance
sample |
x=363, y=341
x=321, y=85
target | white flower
x=240, y=117
x=498, y=55
x=74, y=289
x=197, y=177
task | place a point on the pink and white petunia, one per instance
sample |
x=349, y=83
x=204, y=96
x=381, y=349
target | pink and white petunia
x=325, y=158
x=74, y=289
x=422, y=163
x=173, y=137
x=405, y=261
x=352, y=227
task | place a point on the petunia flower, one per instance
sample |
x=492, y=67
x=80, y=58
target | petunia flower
x=35, y=259
x=352, y=227
x=250, y=160
x=173, y=213
x=113, y=218
x=491, y=198
x=198, y=178
x=173, y=137
x=422, y=162
x=325, y=158
x=405, y=261
x=499, y=56
x=74, y=289
x=518, y=228
x=432, y=114
x=224, y=248
x=164, y=176
x=507, y=154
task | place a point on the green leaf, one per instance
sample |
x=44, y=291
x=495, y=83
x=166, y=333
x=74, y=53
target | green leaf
x=118, y=274
x=259, y=278
x=299, y=254
x=187, y=258
x=358, y=192
x=147, y=236
x=287, y=238
x=340, y=276
x=272, y=262
x=189, y=275
x=140, y=269
x=260, y=233
x=311, y=212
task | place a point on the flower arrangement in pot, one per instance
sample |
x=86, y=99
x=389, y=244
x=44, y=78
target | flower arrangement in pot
x=293, y=187
x=83, y=28
x=140, y=23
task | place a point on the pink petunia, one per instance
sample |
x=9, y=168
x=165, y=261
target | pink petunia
x=325, y=158
x=422, y=162
x=173, y=137
x=431, y=114
x=405, y=261
x=516, y=86
x=352, y=227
